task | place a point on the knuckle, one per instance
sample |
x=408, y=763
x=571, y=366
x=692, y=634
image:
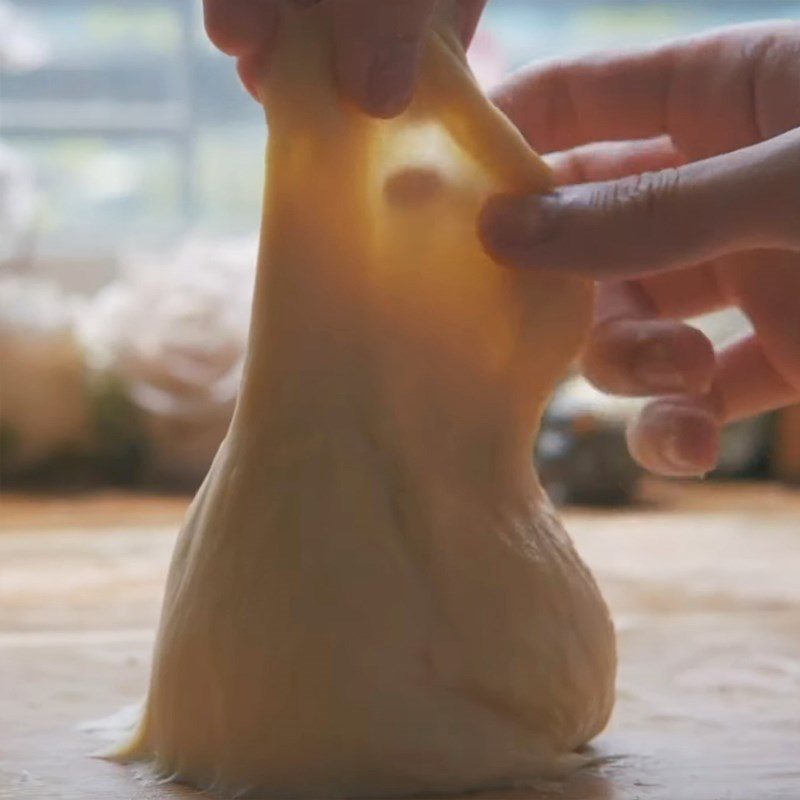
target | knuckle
x=644, y=195
x=569, y=168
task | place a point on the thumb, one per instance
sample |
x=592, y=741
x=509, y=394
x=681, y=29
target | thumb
x=378, y=51
x=655, y=221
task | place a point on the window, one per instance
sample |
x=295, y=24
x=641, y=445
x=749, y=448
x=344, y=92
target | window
x=139, y=132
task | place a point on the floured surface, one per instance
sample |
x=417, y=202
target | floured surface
x=707, y=604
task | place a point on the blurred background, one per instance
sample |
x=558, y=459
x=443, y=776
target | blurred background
x=130, y=191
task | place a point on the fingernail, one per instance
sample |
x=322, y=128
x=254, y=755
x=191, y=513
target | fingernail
x=685, y=447
x=654, y=368
x=513, y=223
x=390, y=84
x=674, y=455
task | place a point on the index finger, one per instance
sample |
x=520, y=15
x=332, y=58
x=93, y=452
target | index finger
x=699, y=91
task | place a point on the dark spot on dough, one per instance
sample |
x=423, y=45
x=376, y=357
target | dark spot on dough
x=412, y=186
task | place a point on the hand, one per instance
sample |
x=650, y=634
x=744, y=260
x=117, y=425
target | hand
x=377, y=42
x=713, y=122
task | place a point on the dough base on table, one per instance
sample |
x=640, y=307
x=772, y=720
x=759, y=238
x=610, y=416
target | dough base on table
x=371, y=594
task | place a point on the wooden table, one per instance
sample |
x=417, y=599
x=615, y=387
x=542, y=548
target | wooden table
x=704, y=584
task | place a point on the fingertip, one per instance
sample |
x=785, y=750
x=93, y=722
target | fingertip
x=378, y=50
x=240, y=27
x=509, y=226
x=673, y=357
x=221, y=28
x=469, y=17
x=676, y=438
x=649, y=358
x=387, y=86
x=695, y=358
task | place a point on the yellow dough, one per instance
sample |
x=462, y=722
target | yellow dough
x=371, y=595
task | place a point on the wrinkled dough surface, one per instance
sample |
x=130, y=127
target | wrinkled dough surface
x=371, y=595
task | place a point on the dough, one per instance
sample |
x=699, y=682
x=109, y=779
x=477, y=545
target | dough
x=371, y=595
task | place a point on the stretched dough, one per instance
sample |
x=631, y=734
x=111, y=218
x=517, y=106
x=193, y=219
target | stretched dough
x=371, y=594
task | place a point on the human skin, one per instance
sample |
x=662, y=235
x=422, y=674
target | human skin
x=679, y=192
x=377, y=43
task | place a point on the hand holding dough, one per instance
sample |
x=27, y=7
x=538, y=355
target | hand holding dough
x=371, y=594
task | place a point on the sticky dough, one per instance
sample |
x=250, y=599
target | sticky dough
x=371, y=594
